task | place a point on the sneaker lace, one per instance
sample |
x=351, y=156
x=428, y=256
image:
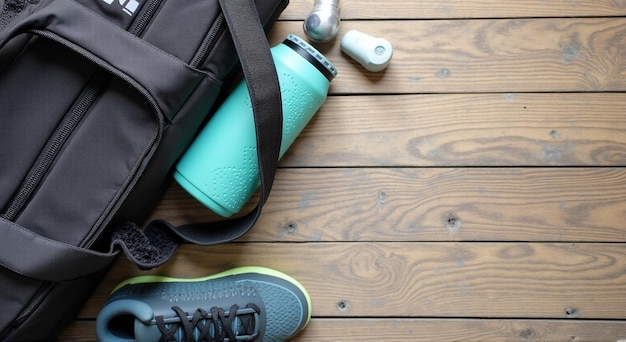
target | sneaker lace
x=217, y=321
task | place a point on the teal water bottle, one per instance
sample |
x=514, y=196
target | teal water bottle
x=220, y=168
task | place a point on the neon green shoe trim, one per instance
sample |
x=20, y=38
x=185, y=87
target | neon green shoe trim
x=233, y=271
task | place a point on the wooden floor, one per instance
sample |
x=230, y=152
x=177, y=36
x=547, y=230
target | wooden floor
x=475, y=190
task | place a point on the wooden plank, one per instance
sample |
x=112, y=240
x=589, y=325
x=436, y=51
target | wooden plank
x=435, y=9
x=504, y=55
x=401, y=330
x=465, y=130
x=455, y=280
x=476, y=204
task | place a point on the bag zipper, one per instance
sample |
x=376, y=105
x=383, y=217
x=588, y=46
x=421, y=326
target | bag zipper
x=209, y=41
x=148, y=10
x=91, y=91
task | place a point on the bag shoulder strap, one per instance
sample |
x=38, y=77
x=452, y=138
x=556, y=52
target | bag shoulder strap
x=262, y=81
x=259, y=70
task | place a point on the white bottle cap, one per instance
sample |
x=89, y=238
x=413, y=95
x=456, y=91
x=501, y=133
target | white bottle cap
x=371, y=52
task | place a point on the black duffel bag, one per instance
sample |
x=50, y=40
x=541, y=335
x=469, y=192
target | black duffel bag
x=98, y=99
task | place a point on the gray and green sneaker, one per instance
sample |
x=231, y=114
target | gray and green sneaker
x=242, y=304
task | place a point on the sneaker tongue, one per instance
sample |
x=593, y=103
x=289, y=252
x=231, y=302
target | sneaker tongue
x=145, y=332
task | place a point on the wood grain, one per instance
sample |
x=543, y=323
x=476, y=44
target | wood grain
x=511, y=129
x=457, y=204
x=499, y=55
x=434, y=9
x=489, y=280
x=402, y=330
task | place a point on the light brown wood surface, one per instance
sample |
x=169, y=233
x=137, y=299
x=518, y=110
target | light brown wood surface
x=455, y=9
x=432, y=204
x=485, y=55
x=473, y=191
x=435, y=130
